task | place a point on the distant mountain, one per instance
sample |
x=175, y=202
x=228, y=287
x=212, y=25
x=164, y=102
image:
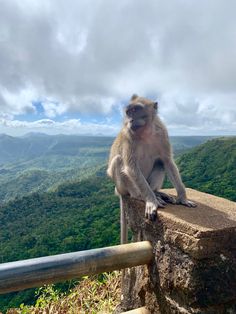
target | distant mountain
x=14, y=149
x=73, y=206
x=34, y=134
x=35, y=145
x=38, y=162
x=14, y=184
x=211, y=167
x=79, y=209
x=84, y=214
x=181, y=144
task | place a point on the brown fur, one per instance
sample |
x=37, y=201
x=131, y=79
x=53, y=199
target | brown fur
x=140, y=156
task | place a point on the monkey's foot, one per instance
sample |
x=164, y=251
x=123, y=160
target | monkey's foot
x=165, y=198
x=186, y=202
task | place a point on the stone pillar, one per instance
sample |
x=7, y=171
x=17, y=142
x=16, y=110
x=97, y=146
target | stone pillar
x=194, y=265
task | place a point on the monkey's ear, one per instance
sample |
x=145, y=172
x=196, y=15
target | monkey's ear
x=155, y=105
x=135, y=96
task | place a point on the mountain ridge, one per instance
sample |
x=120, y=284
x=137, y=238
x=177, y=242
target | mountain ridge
x=84, y=214
x=59, y=158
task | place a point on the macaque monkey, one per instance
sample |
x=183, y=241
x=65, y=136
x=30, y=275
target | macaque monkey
x=141, y=155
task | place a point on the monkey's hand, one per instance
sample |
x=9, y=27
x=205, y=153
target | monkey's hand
x=186, y=202
x=165, y=198
x=151, y=209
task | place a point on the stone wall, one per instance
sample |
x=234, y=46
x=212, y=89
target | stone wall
x=194, y=265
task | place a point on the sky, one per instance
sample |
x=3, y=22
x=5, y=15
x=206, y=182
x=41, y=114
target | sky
x=71, y=66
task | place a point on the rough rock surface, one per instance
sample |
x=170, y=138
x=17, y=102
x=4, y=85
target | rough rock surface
x=194, y=266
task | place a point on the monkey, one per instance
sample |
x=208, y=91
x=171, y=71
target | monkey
x=141, y=156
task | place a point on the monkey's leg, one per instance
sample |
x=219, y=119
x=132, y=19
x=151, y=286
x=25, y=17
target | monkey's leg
x=156, y=180
x=174, y=176
x=133, y=172
x=124, y=185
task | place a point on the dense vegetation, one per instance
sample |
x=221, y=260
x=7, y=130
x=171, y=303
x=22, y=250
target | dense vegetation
x=84, y=213
x=77, y=216
x=31, y=146
x=211, y=167
x=36, y=145
x=95, y=294
x=182, y=144
x=39, y=162
x=25, y=182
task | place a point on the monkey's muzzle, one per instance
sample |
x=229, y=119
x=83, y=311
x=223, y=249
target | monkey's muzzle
x=136, y=127
x=136, y=124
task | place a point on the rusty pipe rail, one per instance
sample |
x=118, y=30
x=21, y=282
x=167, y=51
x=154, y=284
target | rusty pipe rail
x=20, y=275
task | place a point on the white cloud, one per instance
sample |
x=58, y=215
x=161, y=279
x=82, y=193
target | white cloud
x=88, y=56
x=49, y=126
x=17, y=103
x=52, y=109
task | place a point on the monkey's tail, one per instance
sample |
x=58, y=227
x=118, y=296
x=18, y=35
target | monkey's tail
x=123, y=223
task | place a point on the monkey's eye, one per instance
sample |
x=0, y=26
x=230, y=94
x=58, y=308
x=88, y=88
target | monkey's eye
x=132, y=109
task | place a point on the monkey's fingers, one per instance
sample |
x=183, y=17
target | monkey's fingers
x=191, y=204
x=166, y=197
x=153, y=216
x=187, y=203
x=151, y=211
x=161, y=202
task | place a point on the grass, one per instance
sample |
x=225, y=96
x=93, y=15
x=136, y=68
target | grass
x=92, y=295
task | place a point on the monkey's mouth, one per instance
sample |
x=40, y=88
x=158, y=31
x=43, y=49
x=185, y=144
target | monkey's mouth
x=136, y=127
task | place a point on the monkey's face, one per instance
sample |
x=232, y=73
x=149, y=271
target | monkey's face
x=139, y=115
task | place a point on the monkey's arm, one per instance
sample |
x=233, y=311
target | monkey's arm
x=174, y=176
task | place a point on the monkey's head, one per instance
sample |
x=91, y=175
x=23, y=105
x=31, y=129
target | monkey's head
x=139, y=113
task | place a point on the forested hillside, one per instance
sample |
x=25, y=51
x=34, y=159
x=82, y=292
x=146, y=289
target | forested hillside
x=40, y=162
x=211, y=167
x=33, y=145
x=84, y=214
x=78, y=216
x=33, y=180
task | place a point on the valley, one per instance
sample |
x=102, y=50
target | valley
x=39, y=162
x=61, y=203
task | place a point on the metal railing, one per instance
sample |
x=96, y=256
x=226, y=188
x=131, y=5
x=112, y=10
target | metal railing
x=20, y=275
